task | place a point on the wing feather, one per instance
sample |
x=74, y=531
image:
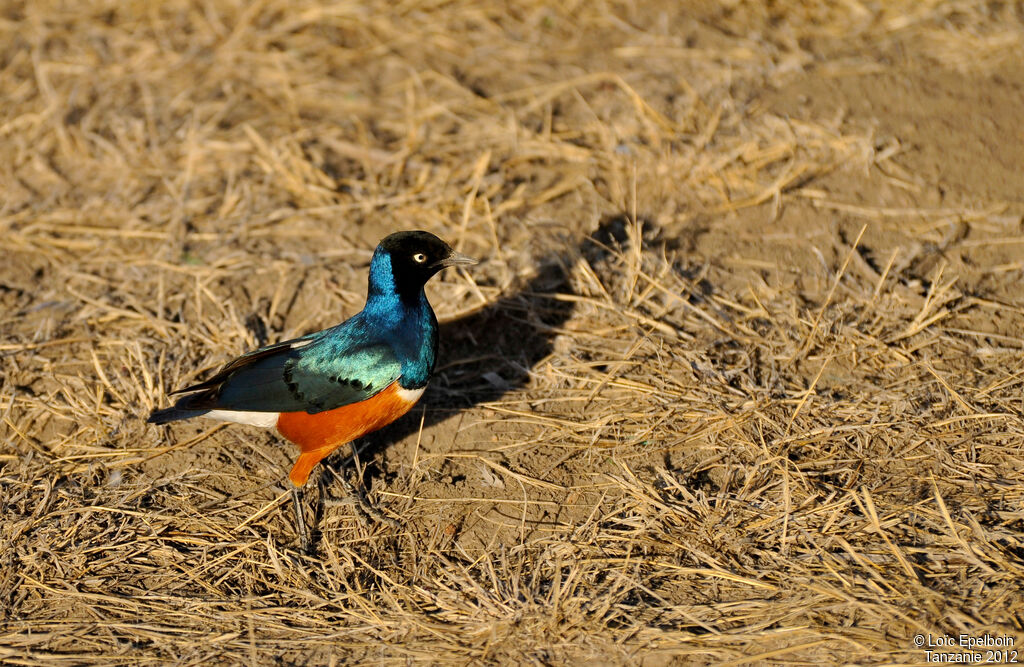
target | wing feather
x=315, y=373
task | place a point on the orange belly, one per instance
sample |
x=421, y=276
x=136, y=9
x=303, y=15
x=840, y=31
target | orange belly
x=319, y=434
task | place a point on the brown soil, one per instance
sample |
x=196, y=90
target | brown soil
x=739, y=380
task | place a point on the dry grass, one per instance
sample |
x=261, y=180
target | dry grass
x=763, y=419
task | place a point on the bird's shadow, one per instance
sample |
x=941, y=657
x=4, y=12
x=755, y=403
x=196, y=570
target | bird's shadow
x=490, y=353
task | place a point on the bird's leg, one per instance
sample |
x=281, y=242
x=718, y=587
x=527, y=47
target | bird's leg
x=362, y=506
x=300, y=518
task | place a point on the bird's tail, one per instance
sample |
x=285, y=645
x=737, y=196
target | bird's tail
x=173, y=414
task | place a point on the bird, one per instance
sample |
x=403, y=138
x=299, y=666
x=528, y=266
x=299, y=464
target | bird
x=328, y=388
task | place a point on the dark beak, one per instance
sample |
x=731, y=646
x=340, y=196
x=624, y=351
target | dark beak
x=457, y=259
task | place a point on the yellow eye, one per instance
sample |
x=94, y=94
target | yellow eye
x=419, y=258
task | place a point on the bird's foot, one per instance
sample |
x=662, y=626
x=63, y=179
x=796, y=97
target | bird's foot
x=364, y=509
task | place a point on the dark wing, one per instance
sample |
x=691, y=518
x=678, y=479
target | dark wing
x=249, y=358
x=310, y=374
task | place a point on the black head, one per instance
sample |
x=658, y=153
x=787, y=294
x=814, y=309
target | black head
x=413, y=258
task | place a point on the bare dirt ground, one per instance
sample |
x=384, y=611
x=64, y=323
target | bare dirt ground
x=771, y=414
